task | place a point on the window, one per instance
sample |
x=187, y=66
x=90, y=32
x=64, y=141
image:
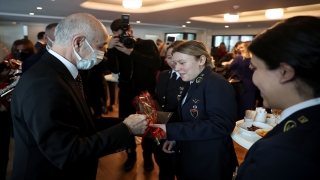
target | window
x=180, y=36
x=230, y=41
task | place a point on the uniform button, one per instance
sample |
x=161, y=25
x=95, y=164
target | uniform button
x=164, y=97
x=162, y=106
x=179, y=151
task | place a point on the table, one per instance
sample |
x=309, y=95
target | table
x=242, y=139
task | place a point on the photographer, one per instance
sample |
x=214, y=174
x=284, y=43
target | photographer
x=137, y=61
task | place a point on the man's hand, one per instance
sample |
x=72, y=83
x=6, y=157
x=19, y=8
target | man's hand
x=120, y=47
x=136, y=123
x=113, y=41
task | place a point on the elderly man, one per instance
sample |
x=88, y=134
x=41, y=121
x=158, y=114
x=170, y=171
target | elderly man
x=55, y=136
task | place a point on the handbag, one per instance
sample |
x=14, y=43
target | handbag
x=237, y=86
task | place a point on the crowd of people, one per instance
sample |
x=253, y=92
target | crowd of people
x=54, y=113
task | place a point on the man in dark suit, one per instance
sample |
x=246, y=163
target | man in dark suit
x=41, y=40
x=137, y=67
x=49, y=37
x=55, y=135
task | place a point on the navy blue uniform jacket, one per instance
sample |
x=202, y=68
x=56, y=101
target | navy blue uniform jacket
x=168, y=93
x=204, y=146
x=289, y=151
x=54, y=134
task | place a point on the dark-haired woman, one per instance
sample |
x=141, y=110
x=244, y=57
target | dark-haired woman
x=288, y=80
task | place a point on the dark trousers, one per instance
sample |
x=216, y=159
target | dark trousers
x=164, y=161
x=5, y=129
x=112, y=90
x=125, y=109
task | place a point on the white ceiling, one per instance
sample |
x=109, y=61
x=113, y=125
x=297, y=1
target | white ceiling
x=159, y=14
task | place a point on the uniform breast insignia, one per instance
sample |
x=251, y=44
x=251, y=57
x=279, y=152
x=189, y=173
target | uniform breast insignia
x=303, y=119
x=196, y=101
x=289, y=125
x=194, y=113
x=181, y=88
x=199, y=80
x=178, y=97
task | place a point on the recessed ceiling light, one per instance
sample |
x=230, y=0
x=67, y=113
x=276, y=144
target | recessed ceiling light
x=226, y=26
x=183, y=25
x=39, y=8
x=249, y=25
x=231, y=17
x=188, y=22
x=138, y=21
x=53, y=0
x=171, y=0
x=14, y=22
x=31, y=14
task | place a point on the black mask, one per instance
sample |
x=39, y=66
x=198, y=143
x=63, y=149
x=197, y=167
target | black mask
x=21, y=56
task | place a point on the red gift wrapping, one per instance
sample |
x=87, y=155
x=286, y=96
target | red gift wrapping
x=145, y=104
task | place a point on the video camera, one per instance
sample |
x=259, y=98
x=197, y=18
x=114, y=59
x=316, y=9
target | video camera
x=125, y=38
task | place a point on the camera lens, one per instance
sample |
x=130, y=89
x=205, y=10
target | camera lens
x=128, y=42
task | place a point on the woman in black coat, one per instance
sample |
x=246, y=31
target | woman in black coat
x=288, y=80
x=201, y=140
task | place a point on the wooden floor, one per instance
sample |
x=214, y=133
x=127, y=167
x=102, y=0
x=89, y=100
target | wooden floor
x=110, y=167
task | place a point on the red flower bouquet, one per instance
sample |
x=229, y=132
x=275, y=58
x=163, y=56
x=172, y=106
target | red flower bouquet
x=145, y=104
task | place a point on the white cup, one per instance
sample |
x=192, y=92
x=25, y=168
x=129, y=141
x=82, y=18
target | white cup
x=248, y=120
x=261, y=117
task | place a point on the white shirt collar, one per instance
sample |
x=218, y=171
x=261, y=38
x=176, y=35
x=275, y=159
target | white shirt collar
x=173, y=71
x=41, y=42
x=290, y=110
x=72, y=68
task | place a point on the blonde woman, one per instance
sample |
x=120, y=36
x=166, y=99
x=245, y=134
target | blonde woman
x=200, y=141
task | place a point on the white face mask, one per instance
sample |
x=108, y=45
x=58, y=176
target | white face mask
x=95, y=59
x=48, y=46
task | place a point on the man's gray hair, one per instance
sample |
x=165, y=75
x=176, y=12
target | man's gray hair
x=75, y=24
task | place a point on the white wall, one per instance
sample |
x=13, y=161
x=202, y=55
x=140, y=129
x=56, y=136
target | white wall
x=33, y=30
x=8, y=34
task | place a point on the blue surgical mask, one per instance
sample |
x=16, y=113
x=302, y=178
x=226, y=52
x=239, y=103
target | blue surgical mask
x=95, y=59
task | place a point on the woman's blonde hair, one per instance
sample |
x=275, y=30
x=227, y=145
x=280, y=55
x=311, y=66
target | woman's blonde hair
x=194, y=48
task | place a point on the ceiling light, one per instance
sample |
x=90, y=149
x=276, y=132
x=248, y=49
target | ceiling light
x=14, y=22
x=231, y=17
x=274, y=13
x=138, y=21
x=39, y=8
x=188, y=22
x=183, y=25
x=31, y=14
x=171, y=0
x=132, y=4
x=226, y=26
